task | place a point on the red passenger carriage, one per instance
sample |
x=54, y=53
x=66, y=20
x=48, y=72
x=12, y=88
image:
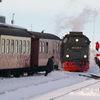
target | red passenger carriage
x=44, y=45
x=22, y=51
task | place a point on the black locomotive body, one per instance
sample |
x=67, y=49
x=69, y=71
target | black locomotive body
x=75, y=52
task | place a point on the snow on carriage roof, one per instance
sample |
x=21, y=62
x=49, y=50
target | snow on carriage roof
x=11, y=26
x=2, y=16
x=44, y=35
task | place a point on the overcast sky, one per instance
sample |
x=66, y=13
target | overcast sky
x=55, y=16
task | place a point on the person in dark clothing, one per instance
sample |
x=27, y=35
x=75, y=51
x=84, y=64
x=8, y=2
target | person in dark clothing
x=97, y=46
x=97, y=61
x=49, y=66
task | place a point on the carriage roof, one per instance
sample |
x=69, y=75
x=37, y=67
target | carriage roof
x=13, y=32
x=45, y=35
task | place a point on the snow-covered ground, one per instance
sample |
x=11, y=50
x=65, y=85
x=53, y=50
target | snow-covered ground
x=58, y=85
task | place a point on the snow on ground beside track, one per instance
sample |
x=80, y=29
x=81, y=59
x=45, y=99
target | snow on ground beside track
x=37, y=86
x=84, y=90
x=26, y=87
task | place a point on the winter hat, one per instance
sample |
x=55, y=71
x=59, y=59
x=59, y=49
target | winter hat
x=52, y=57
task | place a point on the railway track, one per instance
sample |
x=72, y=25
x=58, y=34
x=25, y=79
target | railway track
x=59, y=94
x=74, y=90
x=69, y=83
x=14, y=81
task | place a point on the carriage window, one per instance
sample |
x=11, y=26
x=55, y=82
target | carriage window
x=46, y=47
x=40, y=47
x=16, y=46
x=12, y=46
x=87, y=41
x=27, y=46
x=3, y=45
x=24, y=46
x=43, y=47
x=57, y=47
x=7, y=46
x=20, y=46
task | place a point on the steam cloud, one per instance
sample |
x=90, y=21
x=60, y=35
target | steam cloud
x=75, y=23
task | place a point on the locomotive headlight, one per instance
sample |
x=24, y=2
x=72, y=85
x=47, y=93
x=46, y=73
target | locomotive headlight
x=67, y=56
x=76, y=40
x=85, y=56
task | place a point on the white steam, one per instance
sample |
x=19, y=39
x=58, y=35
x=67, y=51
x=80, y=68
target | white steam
x=75, y=23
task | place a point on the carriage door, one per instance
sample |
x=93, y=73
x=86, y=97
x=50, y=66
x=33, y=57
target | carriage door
x=34, y=52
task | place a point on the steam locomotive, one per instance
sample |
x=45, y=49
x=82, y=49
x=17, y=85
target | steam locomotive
x=75, y=52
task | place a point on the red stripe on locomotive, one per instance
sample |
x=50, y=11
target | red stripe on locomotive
x=69, y=66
